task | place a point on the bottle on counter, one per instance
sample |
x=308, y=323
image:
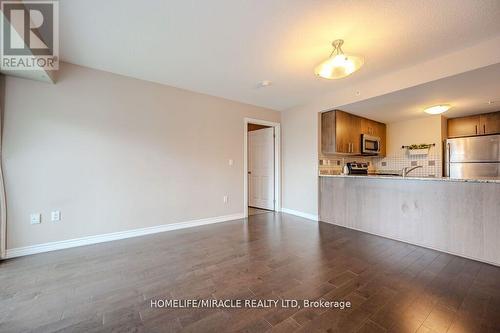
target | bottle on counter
x=345, y=169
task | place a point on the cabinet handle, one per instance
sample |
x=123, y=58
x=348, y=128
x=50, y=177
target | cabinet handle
x=484, y=128
x=476, y=129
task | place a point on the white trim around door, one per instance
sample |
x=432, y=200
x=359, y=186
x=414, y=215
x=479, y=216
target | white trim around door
x=277, y=162
x=3, y=215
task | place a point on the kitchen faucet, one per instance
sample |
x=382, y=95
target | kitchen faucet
x=407, y=170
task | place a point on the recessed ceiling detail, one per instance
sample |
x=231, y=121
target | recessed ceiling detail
x=467, y=94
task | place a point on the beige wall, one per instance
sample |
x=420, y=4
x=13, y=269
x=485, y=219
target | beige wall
x=299, y=130
x=415, y=131
x=114, y=153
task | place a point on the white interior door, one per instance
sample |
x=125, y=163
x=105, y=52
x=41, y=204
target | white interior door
x=261, y=168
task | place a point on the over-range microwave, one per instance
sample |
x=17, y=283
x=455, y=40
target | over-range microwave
x=370, y=145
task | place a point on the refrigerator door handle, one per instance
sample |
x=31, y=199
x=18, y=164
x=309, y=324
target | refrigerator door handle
x=448, y=154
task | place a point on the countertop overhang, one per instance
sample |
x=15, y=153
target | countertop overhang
x=447, y=179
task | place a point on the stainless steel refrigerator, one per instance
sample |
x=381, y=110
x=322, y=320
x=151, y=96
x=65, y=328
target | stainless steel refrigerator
x=473, y=158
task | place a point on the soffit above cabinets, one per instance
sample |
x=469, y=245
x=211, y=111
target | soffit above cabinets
x=469, y=93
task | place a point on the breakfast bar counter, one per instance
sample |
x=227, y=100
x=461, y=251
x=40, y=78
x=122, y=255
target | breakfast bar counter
x=461, y=217
x=448, y=179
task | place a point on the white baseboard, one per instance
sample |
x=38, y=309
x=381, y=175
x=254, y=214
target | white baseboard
x=65, y=244
x=301, y=214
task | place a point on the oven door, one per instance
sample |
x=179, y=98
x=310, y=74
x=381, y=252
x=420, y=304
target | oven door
x=370, y=145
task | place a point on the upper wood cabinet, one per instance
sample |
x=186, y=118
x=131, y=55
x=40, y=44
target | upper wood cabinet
x=488, y=123
x=368, y=126
x=374, y=128
x=348, y=133
x=464, y=126
x=341, y=132
x=328, y=133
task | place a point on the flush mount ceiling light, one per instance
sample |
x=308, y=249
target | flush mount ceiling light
x=338, y=65
x=265, y=83
x=437, y=109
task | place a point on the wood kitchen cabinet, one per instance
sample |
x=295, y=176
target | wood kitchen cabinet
x=341, y=132
x=368, y=126
x=328, y=132
x=489, y=123
x=463, y=126
x=348, y=133
x=374, y=128
x=483, y=124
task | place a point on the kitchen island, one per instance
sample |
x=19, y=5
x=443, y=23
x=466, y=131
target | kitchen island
x=457, y=216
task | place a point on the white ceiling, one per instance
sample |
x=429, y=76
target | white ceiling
x=468, y=93
x=225, y=47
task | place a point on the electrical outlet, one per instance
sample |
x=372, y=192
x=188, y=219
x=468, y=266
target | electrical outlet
x=226, y=199
x=56, y=216
x=35, y=218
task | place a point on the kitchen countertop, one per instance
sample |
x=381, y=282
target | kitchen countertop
x=376, y=176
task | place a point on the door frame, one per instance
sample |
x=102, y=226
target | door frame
x=277, y=162
x=3, y=216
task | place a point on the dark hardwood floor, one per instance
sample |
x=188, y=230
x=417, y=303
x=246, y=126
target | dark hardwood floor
x=393, y=286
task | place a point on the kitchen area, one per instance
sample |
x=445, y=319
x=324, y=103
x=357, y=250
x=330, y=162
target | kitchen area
x=421, y=165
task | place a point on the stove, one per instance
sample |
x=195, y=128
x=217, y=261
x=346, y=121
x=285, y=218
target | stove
x=356, y=168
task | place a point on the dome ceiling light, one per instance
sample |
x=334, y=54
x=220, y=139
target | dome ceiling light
x=338, y=65
x=437, y=109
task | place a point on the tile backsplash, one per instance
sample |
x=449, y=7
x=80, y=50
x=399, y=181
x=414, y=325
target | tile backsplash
x=431, y=163
x=333, y=164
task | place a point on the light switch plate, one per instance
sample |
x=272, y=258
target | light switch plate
x=35, y=218
x=56, y=216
